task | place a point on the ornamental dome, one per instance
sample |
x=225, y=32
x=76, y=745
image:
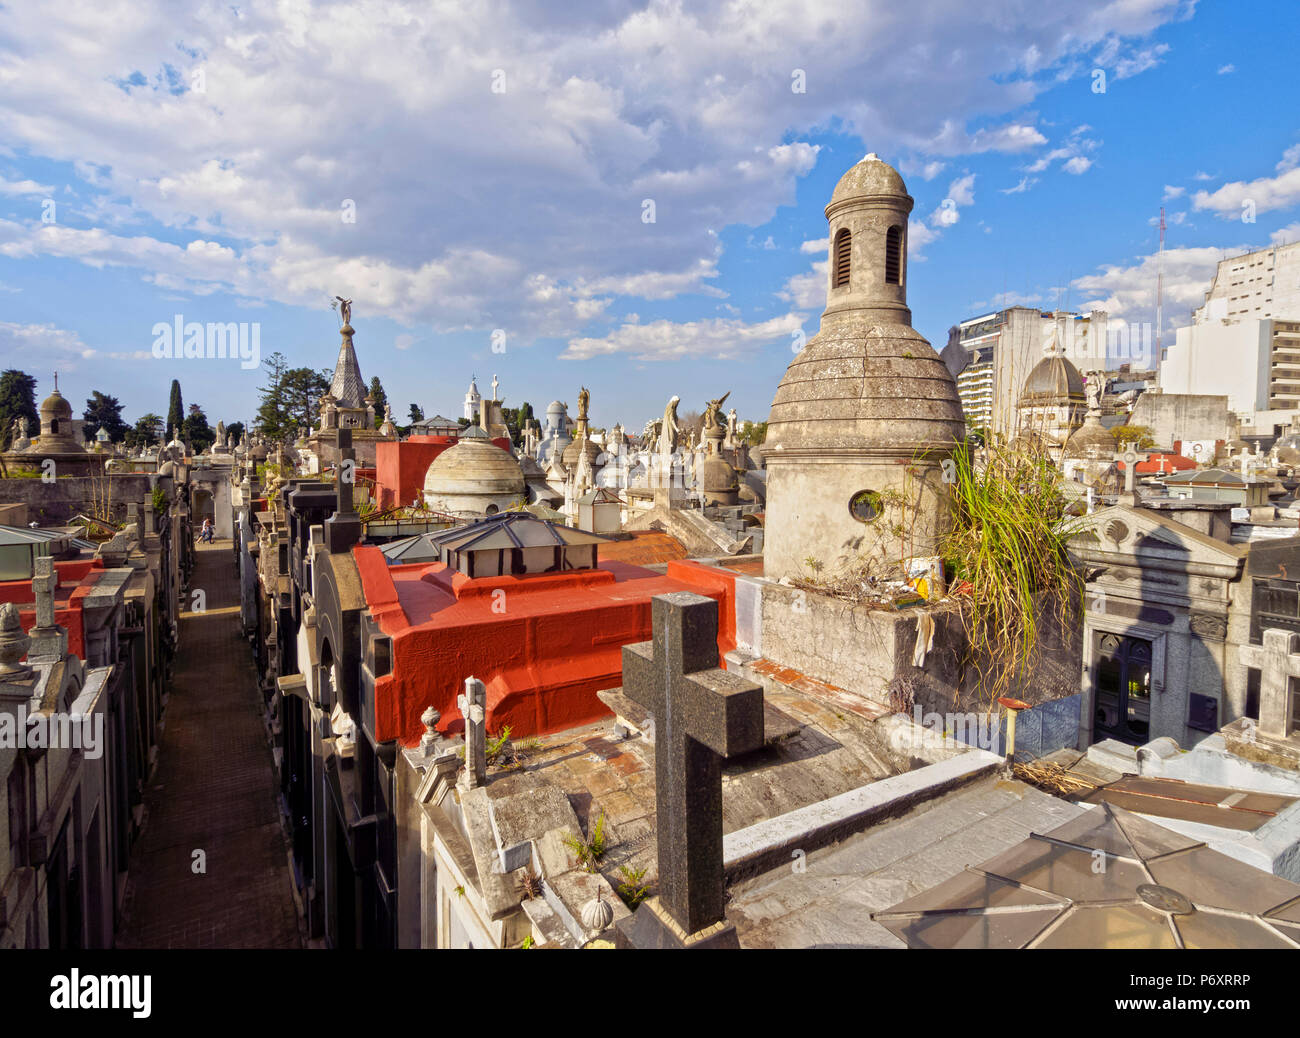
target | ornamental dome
x=1090, y=442
x=574, y=451
x=55, y=406
x=473, y=475
x=1053, y=380
x=870, y=176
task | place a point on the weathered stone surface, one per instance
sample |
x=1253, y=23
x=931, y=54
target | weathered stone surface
x=701, y=714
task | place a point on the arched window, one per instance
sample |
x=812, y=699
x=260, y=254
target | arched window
x=894, y=256
x=54, y=426
x=842, y=262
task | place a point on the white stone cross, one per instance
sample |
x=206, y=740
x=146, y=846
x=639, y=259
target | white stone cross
x=1277, y=660
x=472, y=702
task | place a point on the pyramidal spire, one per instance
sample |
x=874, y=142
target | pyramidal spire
x=348, y=388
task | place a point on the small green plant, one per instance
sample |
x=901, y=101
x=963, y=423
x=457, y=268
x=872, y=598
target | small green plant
x=528, y=942
x=159, y=500
x=632, y=890
x=591, y=850
x=498, y=747
x=460, y=891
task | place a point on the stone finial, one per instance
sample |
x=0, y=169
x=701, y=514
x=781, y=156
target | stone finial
x=14, y=643
x=597, y=914
x=430, y=739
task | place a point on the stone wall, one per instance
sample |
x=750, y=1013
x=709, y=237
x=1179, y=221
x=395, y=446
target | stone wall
x=867, y=650
x=1183, y=416
x=57, y=502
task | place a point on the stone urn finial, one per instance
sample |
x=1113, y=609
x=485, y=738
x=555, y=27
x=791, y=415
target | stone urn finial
x=430, y=738
x=14, y=643
x=597, y=914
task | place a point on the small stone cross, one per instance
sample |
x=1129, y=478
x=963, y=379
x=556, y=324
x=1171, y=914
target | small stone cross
x=472, y=702
x=44, y=583
x=702, y=715
x=1130, y=457
x=1277, y=661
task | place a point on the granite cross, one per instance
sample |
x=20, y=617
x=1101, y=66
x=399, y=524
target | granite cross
x=1277, y=661
x=1130, y=458
x=701, y=715
x=472, y=702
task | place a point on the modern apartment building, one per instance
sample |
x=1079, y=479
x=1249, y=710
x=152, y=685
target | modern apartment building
x=1245, y=340
x=1001, y=348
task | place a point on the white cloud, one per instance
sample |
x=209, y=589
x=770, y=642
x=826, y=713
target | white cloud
x=24, y=187
x=720, y=338
x=1140, y=61
x=1128, y=291
x=1227, y=70
x=962, y=190
x=483, y=209
x=1078, y=164
x=918, y=237
x=953, y=139
x=54, y=345
x=1025, y=184
x=1174, y=192
x=1265, y=193
x=1202, y=176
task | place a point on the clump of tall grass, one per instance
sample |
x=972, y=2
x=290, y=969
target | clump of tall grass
x=1008, y=542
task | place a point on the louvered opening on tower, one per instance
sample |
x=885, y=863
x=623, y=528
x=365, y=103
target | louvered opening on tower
x=843, y=254
x=894, y=256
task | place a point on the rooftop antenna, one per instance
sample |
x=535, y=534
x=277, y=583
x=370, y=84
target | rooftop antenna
x=1160, y=285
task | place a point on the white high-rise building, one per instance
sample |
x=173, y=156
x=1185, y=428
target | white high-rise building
x=1244, y=341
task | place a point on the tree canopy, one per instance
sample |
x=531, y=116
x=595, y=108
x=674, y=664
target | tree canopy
x=197, y=432
x=290, y=398
x=380, y=398
x=175, y=409
x=146, y=431
x=17, y=400
x=104, y=412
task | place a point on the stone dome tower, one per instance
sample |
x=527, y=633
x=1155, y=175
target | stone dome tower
x=56, y=428
x=867, y=412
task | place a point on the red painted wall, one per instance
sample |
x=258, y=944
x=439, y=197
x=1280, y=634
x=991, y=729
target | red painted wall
x=544, y=646
x=400, y=468
x=76, y=578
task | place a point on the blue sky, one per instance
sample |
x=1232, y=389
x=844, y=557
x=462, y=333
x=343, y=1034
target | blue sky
x=499, y=157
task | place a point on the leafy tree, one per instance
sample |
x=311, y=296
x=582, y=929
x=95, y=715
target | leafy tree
x=515, y=418
x=175, y=409
x=416, y=413
x=146, y=431
x=1140, y=435
x=380, y=398
x=197, y=432
x=103, y=412
x=234, y=433
x=290, y=398
x=17, y=400
x=753, y=433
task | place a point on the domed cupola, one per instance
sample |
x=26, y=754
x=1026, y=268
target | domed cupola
x=867, y=412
